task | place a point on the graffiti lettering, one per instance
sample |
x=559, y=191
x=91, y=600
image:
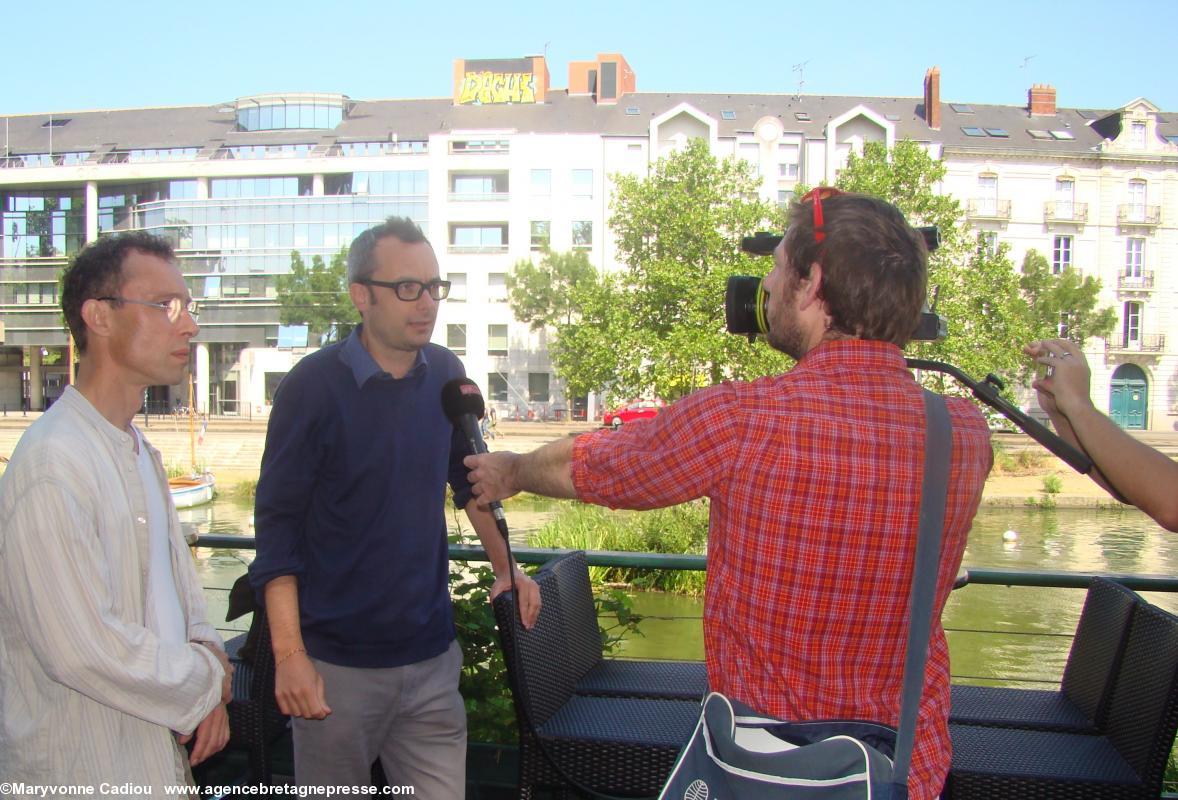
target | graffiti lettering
x=497, y=87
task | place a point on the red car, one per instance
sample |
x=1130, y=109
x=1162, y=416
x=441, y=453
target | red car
x=634, y=410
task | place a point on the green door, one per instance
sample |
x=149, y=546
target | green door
x=1127, y=397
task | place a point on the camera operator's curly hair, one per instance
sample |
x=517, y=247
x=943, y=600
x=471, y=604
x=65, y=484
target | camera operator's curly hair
x=874, y=265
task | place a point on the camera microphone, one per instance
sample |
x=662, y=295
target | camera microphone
x=463, y=405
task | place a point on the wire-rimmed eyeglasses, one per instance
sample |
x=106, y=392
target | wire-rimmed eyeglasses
x=172, y=307
x=410, y=291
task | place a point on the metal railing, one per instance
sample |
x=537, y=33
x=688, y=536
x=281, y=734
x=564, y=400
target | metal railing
x=1057, y=211
x=973, y=576
x=491, y=197
x=476, y=248
x=1142, y=281
x=1148, y=343
x=978, y=576
x=1133, y=214
x=988, y=208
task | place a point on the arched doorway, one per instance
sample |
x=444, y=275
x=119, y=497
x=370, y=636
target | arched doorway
x=1128, y=397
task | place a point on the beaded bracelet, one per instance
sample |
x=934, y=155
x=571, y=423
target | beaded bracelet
x=288, y=655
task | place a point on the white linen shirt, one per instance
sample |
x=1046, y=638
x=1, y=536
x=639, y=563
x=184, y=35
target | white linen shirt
x=89, y=694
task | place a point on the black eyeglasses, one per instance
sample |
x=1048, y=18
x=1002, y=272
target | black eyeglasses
x=411, y=290
x=172, y=307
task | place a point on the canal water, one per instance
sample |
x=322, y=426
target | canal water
x=996, y=633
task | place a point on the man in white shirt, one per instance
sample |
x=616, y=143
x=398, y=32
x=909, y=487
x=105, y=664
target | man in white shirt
x=107, y=662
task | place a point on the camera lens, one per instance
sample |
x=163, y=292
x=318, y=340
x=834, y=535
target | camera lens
x=744, y=305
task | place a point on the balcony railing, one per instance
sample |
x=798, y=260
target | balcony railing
x=476, y=248
x=44, y=160
x=1133, y=214
x=1150, y=343
x=480, y=146
x=1056, y=211
x=988, y=208
x=478, y=196
x=1141, y=282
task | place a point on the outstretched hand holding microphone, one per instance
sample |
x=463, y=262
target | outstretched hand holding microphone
x=463, y=405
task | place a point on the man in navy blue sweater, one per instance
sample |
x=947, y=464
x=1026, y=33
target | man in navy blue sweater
x=351, y=535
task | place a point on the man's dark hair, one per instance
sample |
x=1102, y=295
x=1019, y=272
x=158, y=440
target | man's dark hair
x=361, y=265
x=97, y=271
x=874, y=265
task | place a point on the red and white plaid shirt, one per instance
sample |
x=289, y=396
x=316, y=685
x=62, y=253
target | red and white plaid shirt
x=814, y=478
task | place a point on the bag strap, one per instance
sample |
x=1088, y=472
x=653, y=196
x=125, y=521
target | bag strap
x=933, y=491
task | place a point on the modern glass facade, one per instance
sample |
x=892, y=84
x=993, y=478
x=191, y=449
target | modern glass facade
x=296, y=112
x=249, y=226
x=42, y=223
x=234, y=237
x=234, y=245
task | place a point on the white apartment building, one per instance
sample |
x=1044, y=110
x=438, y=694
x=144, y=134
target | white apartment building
x=508, y=165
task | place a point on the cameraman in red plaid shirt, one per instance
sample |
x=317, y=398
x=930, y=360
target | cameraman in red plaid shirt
x=814, y=478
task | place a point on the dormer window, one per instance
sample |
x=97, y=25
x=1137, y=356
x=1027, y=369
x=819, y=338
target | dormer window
x=1137, y=135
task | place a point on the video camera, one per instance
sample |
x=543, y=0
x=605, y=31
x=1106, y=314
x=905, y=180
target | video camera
x=746, y=301
x=746, y=305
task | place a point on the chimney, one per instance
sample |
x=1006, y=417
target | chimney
x=932, y=98
x=1041, y=99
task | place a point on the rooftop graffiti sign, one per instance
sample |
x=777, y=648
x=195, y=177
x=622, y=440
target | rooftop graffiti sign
x=486, y=88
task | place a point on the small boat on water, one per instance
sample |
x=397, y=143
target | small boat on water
x=192, y=490
x=198, y=487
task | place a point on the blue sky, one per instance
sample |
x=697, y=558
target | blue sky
x=73, y=55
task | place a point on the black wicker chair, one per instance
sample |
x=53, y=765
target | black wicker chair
x=254, y=719
x=1127, y=761
x=595, y=675
x=1081, y=703
x=613, y=745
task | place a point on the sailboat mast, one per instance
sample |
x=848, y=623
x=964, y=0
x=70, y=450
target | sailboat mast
x=191, y=428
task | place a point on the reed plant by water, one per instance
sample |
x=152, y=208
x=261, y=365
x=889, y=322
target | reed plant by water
x=679, y=529
x=1021, y=462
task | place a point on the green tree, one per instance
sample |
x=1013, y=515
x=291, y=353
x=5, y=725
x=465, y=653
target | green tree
x=595, y=349
x=678, y=232
x=976, y=289
x=317, y=296
x=542, y=294
x=1064, y=303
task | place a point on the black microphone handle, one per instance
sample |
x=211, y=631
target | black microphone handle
x=470, y=428
x=988, y=394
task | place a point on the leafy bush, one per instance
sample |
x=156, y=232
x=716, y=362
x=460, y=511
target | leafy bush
x=483, y=683
x=678, y=529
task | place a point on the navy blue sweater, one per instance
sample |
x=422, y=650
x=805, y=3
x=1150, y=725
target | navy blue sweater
x=351, y=501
